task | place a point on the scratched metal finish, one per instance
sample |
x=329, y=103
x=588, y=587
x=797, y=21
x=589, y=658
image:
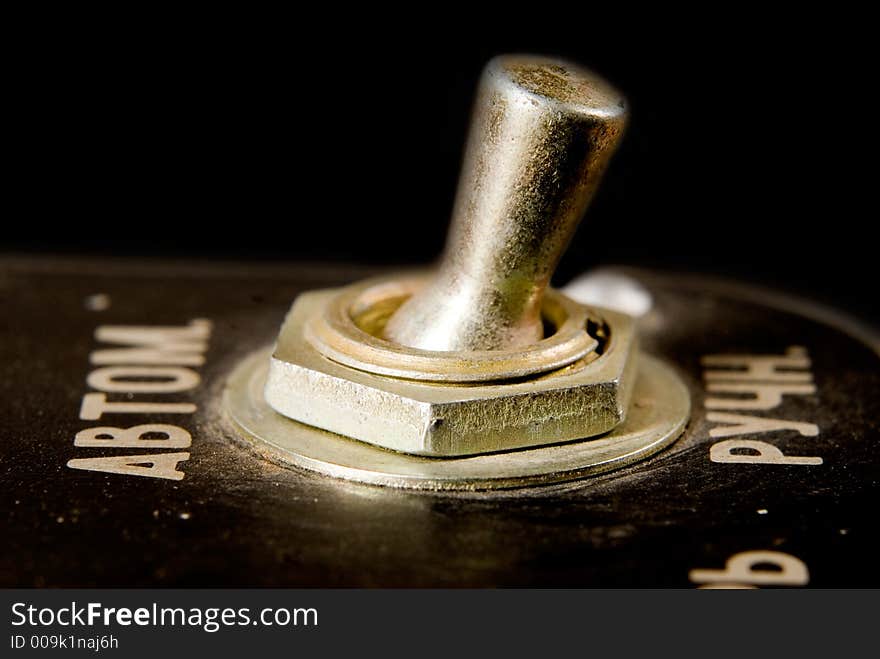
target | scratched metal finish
x=238, y=520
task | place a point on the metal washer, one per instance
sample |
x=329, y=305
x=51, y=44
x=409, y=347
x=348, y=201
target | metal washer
x=334, y=333
x=658, y=414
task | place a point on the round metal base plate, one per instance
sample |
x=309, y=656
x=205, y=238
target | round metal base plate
x=658, y=414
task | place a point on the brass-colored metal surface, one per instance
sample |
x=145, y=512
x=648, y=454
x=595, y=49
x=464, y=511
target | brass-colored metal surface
x=348, y=330
x=482, y=356
x=582, y=399
x=659, y=413
x=542, y=134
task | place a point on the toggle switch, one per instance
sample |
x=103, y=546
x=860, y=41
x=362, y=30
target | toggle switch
x=478, y=364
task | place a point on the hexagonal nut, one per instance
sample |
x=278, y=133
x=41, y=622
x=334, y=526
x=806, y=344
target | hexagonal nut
x=443, y=419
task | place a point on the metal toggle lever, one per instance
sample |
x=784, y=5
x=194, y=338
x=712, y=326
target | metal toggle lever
x=543, y=132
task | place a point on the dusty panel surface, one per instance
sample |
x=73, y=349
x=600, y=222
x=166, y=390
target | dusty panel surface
x=236, y=519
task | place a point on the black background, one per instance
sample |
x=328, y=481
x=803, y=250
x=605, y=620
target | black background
x=294, y=138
